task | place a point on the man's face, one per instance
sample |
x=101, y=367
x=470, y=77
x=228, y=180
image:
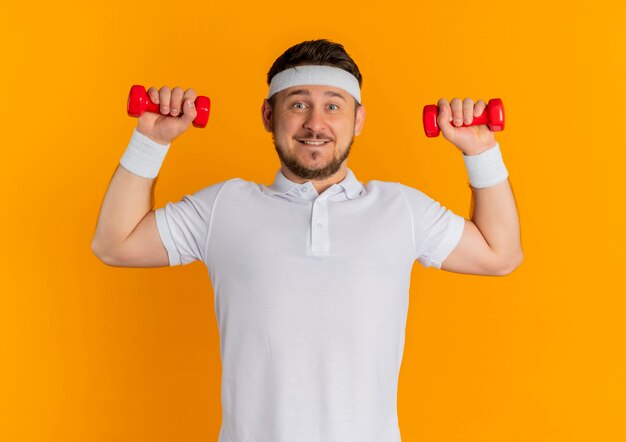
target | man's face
x=313, y=128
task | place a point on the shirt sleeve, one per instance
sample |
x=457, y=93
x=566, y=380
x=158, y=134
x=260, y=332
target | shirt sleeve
x=184, y=225
x=436, y=230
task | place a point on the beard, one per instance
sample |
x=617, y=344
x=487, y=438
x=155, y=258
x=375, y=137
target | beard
x=297, y=168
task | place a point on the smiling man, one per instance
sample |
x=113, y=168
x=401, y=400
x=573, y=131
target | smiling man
x=310, y=274
x=313, y=126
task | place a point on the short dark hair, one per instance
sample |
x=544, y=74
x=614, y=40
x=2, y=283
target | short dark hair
x=315, y=52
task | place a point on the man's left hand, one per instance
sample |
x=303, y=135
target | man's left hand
x=471, y=140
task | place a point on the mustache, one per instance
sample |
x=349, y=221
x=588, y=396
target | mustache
x=314, y=136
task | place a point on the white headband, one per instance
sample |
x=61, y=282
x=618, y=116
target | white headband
x=316, y=75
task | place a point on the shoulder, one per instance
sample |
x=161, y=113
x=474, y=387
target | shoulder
x=387, y=187
x=412, y=193
x=397, y=188
x=204, y=199
x=212, y=190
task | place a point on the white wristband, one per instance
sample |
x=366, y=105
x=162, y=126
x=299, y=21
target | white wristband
x=487, y=168
x=143, y=156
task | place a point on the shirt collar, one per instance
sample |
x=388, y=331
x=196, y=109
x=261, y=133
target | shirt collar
x=282, y=185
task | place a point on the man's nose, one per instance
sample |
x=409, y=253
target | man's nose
x=315, y=120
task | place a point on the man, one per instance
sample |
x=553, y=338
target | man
x=310, y=274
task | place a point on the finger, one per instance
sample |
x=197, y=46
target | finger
x=479, y=108
x=189, y=99
x=443, y=118
x=189, y=112
x=457, y=111
x=176, y=100
x=468, y=110
x=153, y=95
x=164, y=98
x=190, y=94
x=443, y=105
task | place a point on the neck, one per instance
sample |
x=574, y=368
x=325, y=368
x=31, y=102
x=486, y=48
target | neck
x=322, y=184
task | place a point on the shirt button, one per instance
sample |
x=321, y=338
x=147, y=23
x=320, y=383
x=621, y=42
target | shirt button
x=320, y=225
x=304, y=188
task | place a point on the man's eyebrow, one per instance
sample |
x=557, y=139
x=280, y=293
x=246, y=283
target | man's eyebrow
x=306, y=92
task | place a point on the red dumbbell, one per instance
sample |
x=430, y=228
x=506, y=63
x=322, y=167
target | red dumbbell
x=138, y=103
x=492, y=116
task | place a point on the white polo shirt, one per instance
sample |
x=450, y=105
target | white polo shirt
x=311, y=297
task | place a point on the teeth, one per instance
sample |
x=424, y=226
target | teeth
x=315, y=143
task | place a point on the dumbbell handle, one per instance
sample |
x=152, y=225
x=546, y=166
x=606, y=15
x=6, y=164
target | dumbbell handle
x=138, y=103
x=492, y=116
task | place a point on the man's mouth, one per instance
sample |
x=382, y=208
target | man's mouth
x=313, y=142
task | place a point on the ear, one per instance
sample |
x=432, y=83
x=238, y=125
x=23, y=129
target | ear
x=359, y=119
x=266, y=115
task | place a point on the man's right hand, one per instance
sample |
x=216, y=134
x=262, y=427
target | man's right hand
x=164, y=127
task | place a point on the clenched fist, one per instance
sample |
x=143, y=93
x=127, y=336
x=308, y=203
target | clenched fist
x=471, y=140
x=177, y=111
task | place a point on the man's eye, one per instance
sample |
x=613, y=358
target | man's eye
x=336, y=107
x=298, y=104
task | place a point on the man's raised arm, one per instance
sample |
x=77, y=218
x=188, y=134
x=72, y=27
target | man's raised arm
x=126, y=234
x=490, y=243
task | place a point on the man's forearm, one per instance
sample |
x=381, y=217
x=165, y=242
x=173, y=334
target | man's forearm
x=130, y=194
x=127, y=200
x=494, y=212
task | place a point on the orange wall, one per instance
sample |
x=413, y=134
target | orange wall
x=96, y=353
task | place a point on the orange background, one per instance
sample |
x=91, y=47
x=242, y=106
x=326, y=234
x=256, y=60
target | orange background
x=96, y=353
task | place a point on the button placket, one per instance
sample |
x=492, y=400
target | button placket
x=320, y=243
